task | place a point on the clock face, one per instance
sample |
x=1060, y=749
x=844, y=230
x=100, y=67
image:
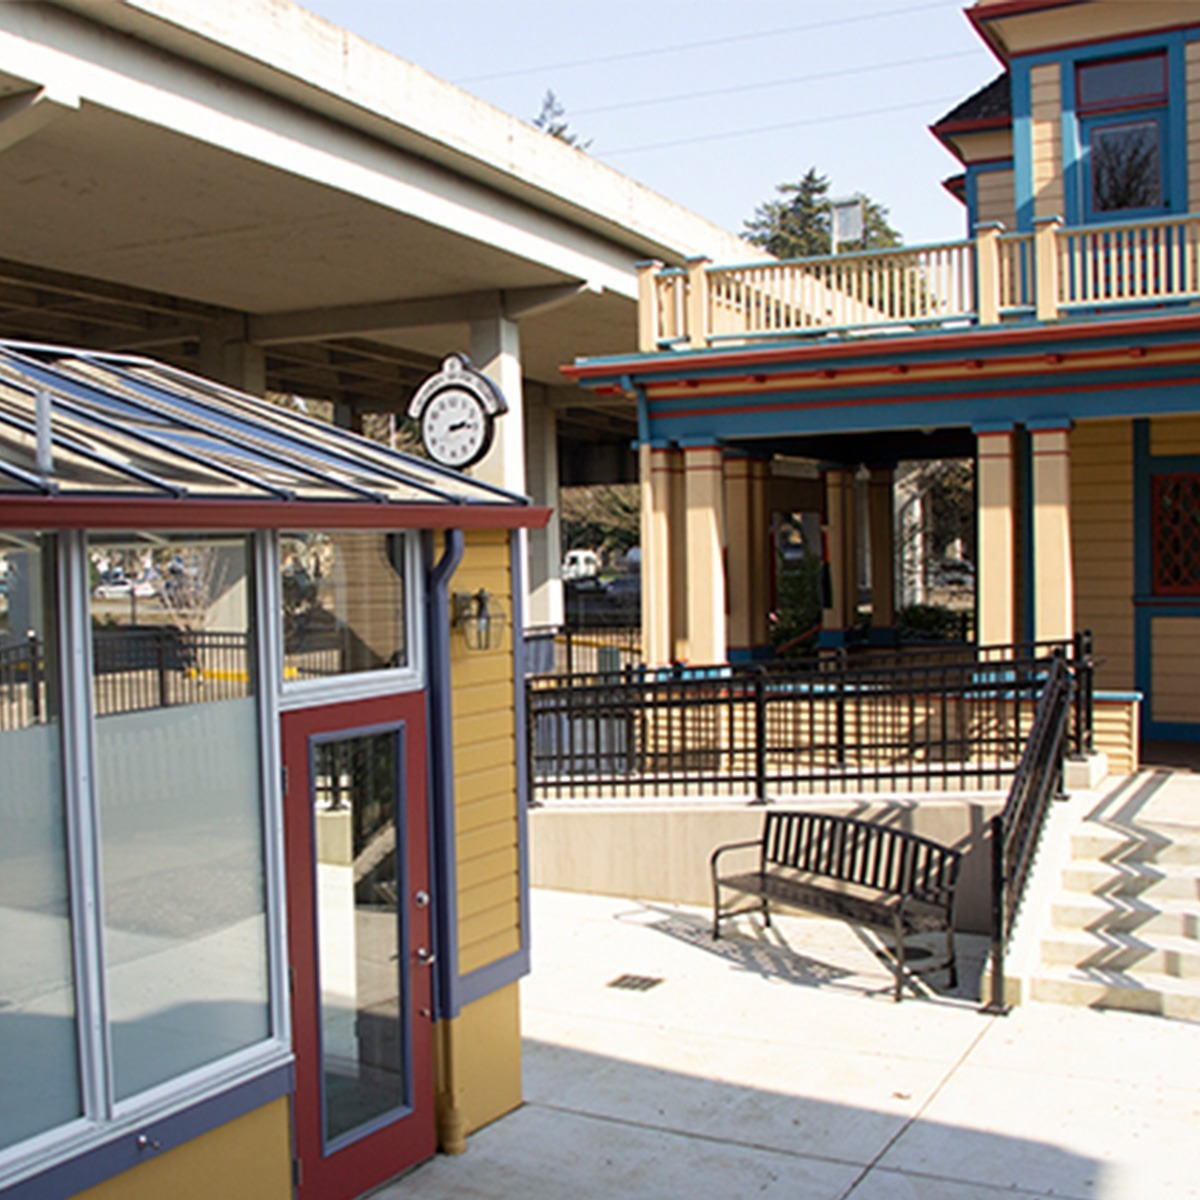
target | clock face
x=454, y=428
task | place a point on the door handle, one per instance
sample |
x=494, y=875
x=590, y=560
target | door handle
x=426, y=957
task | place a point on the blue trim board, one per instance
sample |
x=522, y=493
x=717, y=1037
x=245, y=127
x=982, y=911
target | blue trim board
x=443, y=872
x=521, y=725
x=1136, y=392
x=495, y=975
x=1022, y=125
x=101, y=1163
x=1028, y=617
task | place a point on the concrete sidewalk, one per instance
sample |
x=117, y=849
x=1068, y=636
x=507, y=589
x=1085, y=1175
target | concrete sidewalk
x=775, y=1064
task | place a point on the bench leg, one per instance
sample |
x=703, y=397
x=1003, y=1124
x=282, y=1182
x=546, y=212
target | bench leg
x=951, y=958
x=766, y=912
x=899, y=928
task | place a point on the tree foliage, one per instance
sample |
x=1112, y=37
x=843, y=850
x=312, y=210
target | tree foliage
x=553, y=120
x=798, y=223
x=603, y=517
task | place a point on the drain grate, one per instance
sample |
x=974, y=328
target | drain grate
x=634, y=983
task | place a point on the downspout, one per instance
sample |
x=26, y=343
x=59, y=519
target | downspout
x=451, y=1127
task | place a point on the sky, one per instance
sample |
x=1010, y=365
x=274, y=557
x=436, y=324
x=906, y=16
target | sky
x=713, y=103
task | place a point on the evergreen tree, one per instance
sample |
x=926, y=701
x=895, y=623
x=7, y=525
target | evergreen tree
x=553, y=120
x=798, y=223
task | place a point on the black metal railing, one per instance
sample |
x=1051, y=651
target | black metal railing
x=599, y=649
x=1017, y=828
x=957, y=722
x=23, y=697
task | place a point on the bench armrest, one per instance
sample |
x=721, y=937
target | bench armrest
x=716, y=854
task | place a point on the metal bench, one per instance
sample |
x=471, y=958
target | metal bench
x=864, y=873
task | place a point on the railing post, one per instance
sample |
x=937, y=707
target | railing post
x=760, y=736
x=1045, y=243
x=996, y=1004
x=35, y=678
x=987, y=273
x=160, y=639
x=648, y=306
x=1084, y=735
x=697, y=302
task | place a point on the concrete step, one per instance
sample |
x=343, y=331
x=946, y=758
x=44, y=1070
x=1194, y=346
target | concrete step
x=1093, y=988
x=1127, y=914
x=1178, y=847
x=1126, y=953
x=1133, y=878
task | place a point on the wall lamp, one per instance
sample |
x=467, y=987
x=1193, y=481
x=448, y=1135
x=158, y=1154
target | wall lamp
x=480, y=618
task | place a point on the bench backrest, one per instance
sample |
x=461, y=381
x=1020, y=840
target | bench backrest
x=860, y=852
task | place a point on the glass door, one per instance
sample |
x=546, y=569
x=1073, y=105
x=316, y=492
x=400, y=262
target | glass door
x=359, y=937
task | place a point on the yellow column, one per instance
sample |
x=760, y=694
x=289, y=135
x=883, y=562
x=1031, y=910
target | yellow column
x=739, y=519
x=654, y=469
x=841, y=545
x=994, y=497
x=704, y=488
x=1053, y=569
x=881, y=516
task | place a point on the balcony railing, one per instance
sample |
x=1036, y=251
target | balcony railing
x=1053, y=273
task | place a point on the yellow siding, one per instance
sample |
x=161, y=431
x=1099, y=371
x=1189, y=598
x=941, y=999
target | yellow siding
x=1115, y=733
x=1175, y=667
x=487, y=1038
x=1102, y=537
x=1193, y=124
x=996, y=197
x=1174, y=435
x=485, y=741
x=248, y=1159
x=1046, y=130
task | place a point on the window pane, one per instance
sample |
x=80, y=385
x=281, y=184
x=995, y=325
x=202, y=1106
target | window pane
x=39, y=1055
x=1125, y=80
x=362, y=1043
x=343, y=603
x=178, y=779
x=1125, y=166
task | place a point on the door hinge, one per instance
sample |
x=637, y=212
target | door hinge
x=292, y=980
x=283, y=778
x=297, y=1172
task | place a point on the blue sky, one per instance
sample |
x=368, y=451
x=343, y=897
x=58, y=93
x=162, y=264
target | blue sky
x=712, y=103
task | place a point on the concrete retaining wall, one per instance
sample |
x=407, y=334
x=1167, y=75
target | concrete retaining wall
x=658, y=851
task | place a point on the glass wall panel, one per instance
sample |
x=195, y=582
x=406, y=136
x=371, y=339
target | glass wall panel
x=343, y=603
x=39, y=1053
x=363, y=1061
x=178, y=783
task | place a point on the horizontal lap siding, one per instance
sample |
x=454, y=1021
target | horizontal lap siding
x=1175, y=668
x=485, y=782
x=1193, y=124
x=1114, y=734
x=1174, y=435
x=1102, y=537
x=1046, y=110
x=996, y=199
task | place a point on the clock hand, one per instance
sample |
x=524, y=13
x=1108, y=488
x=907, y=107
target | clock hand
x=458, y=425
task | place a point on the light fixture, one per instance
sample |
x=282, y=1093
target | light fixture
x=480, y=618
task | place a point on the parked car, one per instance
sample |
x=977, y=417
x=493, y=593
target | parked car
x=580, y=564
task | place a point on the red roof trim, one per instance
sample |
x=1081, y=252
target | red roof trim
x=976, y=339
x=140, y=512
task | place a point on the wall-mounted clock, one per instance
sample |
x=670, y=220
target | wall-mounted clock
x=456, y=410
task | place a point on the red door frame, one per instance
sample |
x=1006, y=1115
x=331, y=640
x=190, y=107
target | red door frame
x=374, y=1157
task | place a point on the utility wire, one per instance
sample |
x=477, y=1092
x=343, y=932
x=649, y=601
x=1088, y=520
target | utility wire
x=707, y=93
x=628, y=55
x=739, y=133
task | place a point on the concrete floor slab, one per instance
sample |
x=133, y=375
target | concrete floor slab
x=774, y=1063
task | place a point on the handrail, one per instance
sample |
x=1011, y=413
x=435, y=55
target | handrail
x=1016, y=829
x=994, y=277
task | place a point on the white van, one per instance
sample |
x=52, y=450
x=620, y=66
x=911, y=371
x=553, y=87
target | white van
x=580, y=564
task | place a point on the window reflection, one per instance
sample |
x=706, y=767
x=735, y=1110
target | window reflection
x=39, y=1076
x=178, y=785
x=343, y=600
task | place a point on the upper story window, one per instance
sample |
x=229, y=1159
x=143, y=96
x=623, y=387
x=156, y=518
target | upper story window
x=1122, y=109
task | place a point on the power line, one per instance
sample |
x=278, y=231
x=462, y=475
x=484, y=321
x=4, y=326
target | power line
x=739, y=133
x=681, y=47
x=707, y=93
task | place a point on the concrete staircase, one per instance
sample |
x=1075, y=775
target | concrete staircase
x=1124, y=930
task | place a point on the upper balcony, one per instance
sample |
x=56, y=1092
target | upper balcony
x=1053, y=274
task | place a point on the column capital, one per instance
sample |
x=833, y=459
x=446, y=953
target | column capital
x=988, y=428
